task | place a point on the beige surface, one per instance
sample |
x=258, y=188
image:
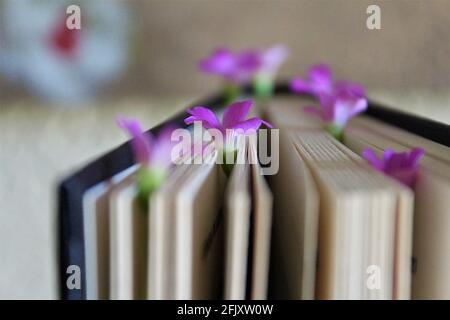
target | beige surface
x=39, y=145
x=410, y=52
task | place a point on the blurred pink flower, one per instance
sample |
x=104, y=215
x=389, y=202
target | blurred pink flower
x=338, y=107
x=237, y=68
x=272, y=59
x=401, y=166
x=320, y=81
x=241, y=67
x=148, y=150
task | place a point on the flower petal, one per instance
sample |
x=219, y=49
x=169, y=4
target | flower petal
x=236, y=113
x=401, y=166
x=162, y=148
x=141, y=141
x=355, y=88
x=387, y=155
x=328, y=107
x=131, y=126
x=346, y=106
x=247, y=63
x=415, y=155
x=206, y=116
x=320, y=80
x=372, y=159
x=273, y=58
x=405, y=176
x=221, y=62
x=321, y=75
x=251, y=124
x=299, y=85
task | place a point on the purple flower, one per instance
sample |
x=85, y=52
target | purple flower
x=320, y=81
x=338, y=107
x=233, y=117
x=401, y=166
x=141, y=140
x=272, y=59
x=241, y=67
x=232, y=127
x=148, y=151
x=237, y=68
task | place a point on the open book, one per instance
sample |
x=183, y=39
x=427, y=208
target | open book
x=325, y=225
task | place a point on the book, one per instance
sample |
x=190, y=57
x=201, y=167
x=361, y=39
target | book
x=325, y=226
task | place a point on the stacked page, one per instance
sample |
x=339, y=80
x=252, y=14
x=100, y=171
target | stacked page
x=184, y=245
x=431, y=250
x=323, y=225
x=248, y=218
x=422, y=224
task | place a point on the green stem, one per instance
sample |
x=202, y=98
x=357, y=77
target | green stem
x=336, y=131
x=263, y=87
x=230, y=93
x=148, y=180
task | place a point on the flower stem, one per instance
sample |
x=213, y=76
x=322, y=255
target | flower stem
x=336, y=131
x=230, y=93
x=148, y=180
x=263, y=87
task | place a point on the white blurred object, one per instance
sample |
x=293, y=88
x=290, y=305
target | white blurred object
x=56, y=63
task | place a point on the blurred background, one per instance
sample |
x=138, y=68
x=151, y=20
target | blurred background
x=60, y=89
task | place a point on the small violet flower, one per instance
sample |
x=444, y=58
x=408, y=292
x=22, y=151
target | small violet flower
x=233, y=124
x=320, y=81
x=401, y=166
x=271, y=61
x=152, y=153
x=339, y=101
x=242, y=67
x=233, y=117
x=237, y=68
x=337, y=108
